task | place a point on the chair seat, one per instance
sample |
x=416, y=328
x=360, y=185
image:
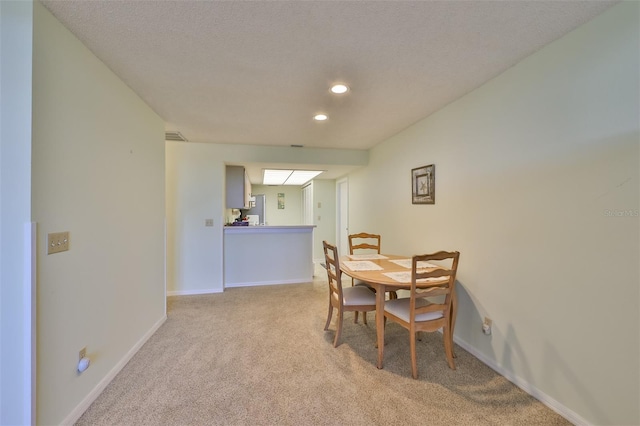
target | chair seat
x=400, y=308
x=358, y=296
x=363, y=284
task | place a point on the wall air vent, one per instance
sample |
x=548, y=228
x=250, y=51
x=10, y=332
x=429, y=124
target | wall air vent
x=174, y=136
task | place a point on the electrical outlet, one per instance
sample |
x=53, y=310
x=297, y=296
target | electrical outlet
x=486, y=325
x=57, y=242
x=208, y=222
x=83, y=361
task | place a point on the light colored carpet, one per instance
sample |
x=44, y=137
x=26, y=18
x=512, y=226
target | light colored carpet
x=259, y=356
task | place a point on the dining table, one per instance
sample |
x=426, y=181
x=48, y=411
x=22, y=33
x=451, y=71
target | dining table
x=386, y=273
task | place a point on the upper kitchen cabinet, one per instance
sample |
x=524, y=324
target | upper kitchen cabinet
x=238, y=188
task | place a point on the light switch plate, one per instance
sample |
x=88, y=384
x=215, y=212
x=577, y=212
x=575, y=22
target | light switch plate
x=57, y=242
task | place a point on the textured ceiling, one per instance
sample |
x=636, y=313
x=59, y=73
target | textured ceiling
x=255, y=72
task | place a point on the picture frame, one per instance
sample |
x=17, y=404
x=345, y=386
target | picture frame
x=423, y=185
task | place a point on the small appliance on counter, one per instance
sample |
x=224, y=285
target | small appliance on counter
x=253, y=219
x=241, y=220
x=258, y=210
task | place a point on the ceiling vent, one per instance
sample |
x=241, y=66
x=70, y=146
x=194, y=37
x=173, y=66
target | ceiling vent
x=174, y=136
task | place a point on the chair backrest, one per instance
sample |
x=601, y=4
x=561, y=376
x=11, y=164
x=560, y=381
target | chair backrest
x=443, y=277
x=334, y=274
x=369, y=241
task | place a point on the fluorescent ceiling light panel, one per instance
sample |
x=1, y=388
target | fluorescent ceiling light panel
x=300, y=177
x=275, y=177
x=288, y=177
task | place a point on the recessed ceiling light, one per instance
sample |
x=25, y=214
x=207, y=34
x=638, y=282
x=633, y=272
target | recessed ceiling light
x=339, y=88
x=320, y=117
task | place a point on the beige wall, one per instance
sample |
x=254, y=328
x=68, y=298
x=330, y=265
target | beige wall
x=537, y=187
x=98, y=172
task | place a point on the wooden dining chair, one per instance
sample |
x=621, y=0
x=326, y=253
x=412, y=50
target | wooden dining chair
x=363, y=241
x=358, y=298
x=370, y=242
x=420, y=311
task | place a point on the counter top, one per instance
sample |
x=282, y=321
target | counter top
x=228, y=229
x=271, y=226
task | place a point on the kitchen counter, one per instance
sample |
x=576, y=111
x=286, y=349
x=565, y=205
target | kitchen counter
x=267, y=228
x=266, y=255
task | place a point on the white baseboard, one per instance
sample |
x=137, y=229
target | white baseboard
x=550, y=402
x=88, y=400
x=193, y=292
x=274, y=282
x=235, y=285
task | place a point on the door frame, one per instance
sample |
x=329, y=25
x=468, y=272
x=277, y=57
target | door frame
x=342, y=214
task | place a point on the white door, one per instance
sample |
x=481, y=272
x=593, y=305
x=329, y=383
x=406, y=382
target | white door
x=342, y=213
x=307, y=204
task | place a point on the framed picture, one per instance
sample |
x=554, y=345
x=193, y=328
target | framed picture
x=280, y=200
x=423, y=185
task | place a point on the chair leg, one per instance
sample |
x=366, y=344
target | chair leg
x=338, y=329
x=453, y=348
x=414, y=361
x=326, y=326
x=364, y=317
x=453, y=325
x=448, y=347
x=355, y=317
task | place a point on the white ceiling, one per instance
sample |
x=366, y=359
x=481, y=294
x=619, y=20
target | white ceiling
x=255, y=72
